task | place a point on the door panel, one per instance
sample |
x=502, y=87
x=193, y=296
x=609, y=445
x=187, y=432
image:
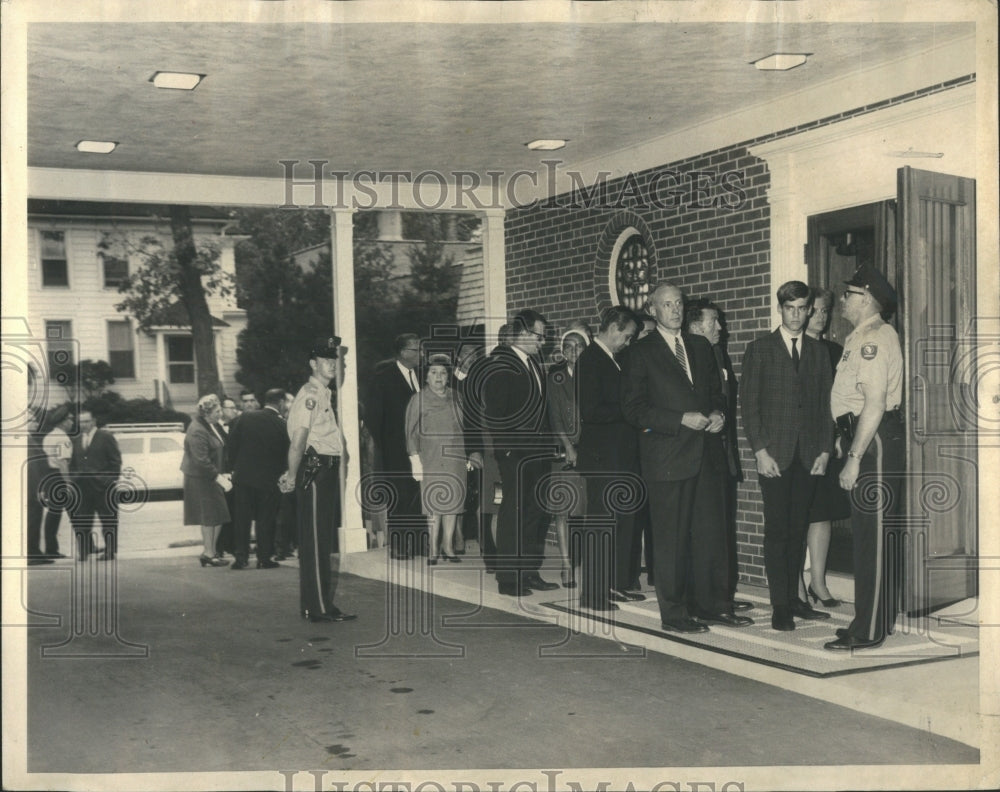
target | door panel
x=937, y=267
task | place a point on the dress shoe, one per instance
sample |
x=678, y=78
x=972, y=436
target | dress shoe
x=514, y=591
x=600, y=606
x=742, y=605
x=725, y=619
x=684, y=624
x=830, y=602
x=635, y=586
x=432, y=561
x=804, y=610
x=55, y=555
x=849, y=643
x=617, y=595
x=205, y=561
x=566, y=575
x=237, y=564
x=782, y=622
x=267, y=564
x=535, y=582
x=38, y=560
x=337, y=615
x=842, y=632
x=454, y=559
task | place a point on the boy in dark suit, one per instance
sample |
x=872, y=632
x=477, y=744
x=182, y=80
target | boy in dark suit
x=95, y=467
x=785, y=406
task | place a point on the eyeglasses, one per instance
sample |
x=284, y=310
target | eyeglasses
x=848, y=292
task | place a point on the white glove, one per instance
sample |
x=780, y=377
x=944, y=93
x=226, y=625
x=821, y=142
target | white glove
x=416, y=467
x=225, y=481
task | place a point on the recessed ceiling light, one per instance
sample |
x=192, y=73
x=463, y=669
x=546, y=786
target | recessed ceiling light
x=96, y=146
x=545, y=145
x=178, y=81
x=782, y=61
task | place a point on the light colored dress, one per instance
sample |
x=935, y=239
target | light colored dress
x=434, y=431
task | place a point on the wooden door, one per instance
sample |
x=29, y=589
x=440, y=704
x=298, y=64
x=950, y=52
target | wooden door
x=936, y=267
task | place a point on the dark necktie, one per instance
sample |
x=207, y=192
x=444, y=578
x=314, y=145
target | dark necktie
x=413, y=383
x=682, y=357
x=795, y=353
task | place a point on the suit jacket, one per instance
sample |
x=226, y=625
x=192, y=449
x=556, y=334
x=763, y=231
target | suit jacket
x=516, y=407
x=607, y=441
x=385, y=415
x=99, y=466
x=258, y=448
x=655, y=395
x=782, y=407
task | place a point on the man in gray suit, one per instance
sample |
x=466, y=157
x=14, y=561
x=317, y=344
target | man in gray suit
x=784, y=399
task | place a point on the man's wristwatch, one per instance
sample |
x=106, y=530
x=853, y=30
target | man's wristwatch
x=852, y=455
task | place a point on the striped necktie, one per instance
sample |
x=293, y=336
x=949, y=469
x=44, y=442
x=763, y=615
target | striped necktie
x=682, y=357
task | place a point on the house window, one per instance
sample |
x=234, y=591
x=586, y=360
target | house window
x=55, y=269
x=121, y=350
x=180, y=360
x=632, y=273
x=115, y=270
x=59, y=348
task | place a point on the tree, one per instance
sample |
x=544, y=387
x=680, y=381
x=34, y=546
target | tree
x=94, y=375
x=184, y=274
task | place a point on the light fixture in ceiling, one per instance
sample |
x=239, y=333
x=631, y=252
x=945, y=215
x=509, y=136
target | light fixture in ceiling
x=177, y=81
x=546, y=144
x=97, y=146
x=781, y=61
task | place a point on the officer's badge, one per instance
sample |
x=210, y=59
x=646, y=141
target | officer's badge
x=310, y=403
x=869, y=351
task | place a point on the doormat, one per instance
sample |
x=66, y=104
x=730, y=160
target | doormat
x=800, y=650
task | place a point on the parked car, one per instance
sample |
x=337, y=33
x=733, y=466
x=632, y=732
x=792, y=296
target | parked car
x=152, y=453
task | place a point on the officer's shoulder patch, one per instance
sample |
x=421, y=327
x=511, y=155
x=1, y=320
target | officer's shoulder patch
x=310, y=404
x=869, y=351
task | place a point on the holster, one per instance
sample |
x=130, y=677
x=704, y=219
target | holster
x=847, y=424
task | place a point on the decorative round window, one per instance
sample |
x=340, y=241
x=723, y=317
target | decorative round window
x=632, y=272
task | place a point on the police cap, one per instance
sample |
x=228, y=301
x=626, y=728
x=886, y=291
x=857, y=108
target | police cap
x=869, y=278
x=326, y=348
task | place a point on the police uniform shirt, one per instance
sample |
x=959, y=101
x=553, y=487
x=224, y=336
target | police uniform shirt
x=311, y=410
x=58, y=448
x=872, y=358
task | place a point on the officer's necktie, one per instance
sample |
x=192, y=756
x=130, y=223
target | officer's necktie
x=795, y=353
x=682, y=357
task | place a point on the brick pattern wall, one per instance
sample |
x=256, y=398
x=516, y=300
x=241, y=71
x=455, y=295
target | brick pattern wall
x=707, y=223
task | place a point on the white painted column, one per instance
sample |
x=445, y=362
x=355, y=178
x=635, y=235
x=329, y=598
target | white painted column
x=789, y=228
x=352, y=537
x=494, y=275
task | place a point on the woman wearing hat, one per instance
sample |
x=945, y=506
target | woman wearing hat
x=564, y=417
x=438, y=456
x=205, y=485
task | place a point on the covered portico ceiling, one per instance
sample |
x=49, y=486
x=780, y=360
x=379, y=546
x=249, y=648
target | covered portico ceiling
x=413, y=96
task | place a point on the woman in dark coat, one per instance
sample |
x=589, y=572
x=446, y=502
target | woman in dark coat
x=205, y=484
x=830, y=502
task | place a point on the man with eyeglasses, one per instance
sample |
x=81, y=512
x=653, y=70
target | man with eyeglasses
x=517, y=420
x=865, y=400
x=784, y=396
x=392, y=386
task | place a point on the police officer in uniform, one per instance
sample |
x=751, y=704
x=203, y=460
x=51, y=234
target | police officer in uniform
x=316, y=446
x=865, y=400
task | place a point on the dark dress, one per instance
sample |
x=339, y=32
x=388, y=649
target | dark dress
x=831, y=501
x=204, y=500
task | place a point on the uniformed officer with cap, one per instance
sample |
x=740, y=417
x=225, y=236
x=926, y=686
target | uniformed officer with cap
x=865, y=401
x=314, y=470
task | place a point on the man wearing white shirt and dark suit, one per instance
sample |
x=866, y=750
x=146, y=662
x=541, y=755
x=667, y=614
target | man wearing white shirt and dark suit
x=95, y=468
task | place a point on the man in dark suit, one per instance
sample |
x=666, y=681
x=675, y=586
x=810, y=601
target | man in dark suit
x=518, y=423
x=258, y=449
x=607, y=446
x=671, y=392
x=95, y=467
x=392, y=385
x=702, y=317
x=784, y=401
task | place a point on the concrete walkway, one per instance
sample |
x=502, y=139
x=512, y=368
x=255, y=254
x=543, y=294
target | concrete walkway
x=211, y=671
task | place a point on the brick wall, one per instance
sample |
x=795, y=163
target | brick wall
x=706, y=223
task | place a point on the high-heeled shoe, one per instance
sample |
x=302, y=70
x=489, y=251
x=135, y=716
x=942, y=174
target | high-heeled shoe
x=208, y=561
x=832, y=602
x=566, y=575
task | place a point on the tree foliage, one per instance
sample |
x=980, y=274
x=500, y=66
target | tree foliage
x=183, y=274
